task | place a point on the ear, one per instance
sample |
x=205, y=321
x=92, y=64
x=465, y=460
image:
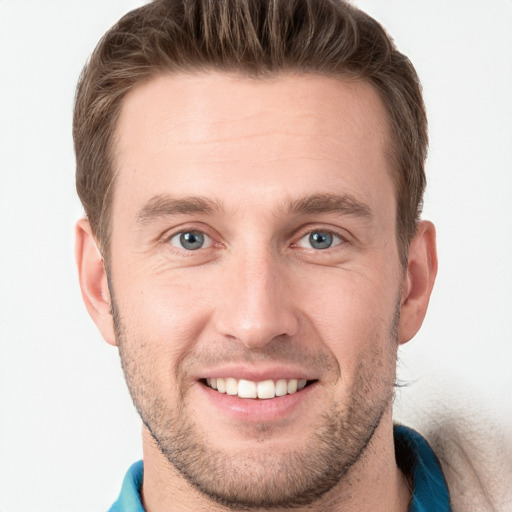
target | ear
x=93, y=280
x=418, y=281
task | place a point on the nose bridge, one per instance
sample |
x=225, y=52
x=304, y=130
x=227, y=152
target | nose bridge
x=257, y=308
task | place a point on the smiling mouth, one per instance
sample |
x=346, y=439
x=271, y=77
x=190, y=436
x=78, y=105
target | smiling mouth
x=264, y=390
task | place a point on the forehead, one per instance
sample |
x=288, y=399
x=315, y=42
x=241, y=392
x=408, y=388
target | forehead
x=215, y=132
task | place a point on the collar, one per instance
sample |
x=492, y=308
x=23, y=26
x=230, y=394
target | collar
x=416, y=459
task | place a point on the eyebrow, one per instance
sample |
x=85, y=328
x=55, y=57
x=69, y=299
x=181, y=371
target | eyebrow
x=165, y=205
x=344, y=204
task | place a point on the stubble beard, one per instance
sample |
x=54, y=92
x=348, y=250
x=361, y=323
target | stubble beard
x=259, y=479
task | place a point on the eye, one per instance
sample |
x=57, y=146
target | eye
x=191, y=240
x=320, y=240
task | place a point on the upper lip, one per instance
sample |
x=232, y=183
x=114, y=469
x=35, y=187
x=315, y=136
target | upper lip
x=256, y=374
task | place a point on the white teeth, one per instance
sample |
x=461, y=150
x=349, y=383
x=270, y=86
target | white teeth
x=231, y=386
x=221, y=385
x=292, y=386
x=249, y=389
x=281, y=387
x=266, y=389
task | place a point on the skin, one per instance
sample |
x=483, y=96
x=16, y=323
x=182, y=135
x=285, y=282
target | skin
x=272, y=161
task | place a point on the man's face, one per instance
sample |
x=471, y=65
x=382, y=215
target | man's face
x=253, y=244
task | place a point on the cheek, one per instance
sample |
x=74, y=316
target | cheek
x=162, y=317
x=353, y=313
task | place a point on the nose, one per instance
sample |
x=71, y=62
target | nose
x=258, y=305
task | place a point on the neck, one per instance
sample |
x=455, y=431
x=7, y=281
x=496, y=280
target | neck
x=374, y=483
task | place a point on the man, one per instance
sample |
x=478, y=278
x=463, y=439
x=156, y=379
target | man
x=252, y=174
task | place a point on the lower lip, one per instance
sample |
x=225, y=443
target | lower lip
x=258, y=410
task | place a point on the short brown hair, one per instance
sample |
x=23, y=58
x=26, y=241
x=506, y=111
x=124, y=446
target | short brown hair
x=254, y=38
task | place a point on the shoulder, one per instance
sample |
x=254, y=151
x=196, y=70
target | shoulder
x=476, y=462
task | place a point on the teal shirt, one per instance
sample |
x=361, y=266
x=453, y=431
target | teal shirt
x=414, y=457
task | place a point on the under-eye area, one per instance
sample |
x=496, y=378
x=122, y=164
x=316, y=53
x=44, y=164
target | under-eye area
x=257, y=390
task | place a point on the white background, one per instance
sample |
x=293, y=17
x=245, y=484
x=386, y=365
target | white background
x=68, y=431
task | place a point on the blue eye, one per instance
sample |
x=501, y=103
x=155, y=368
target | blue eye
x=320, y=240
x=190, y=240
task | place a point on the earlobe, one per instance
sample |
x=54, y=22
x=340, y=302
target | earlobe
x=93, y=280
x=418, y=281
